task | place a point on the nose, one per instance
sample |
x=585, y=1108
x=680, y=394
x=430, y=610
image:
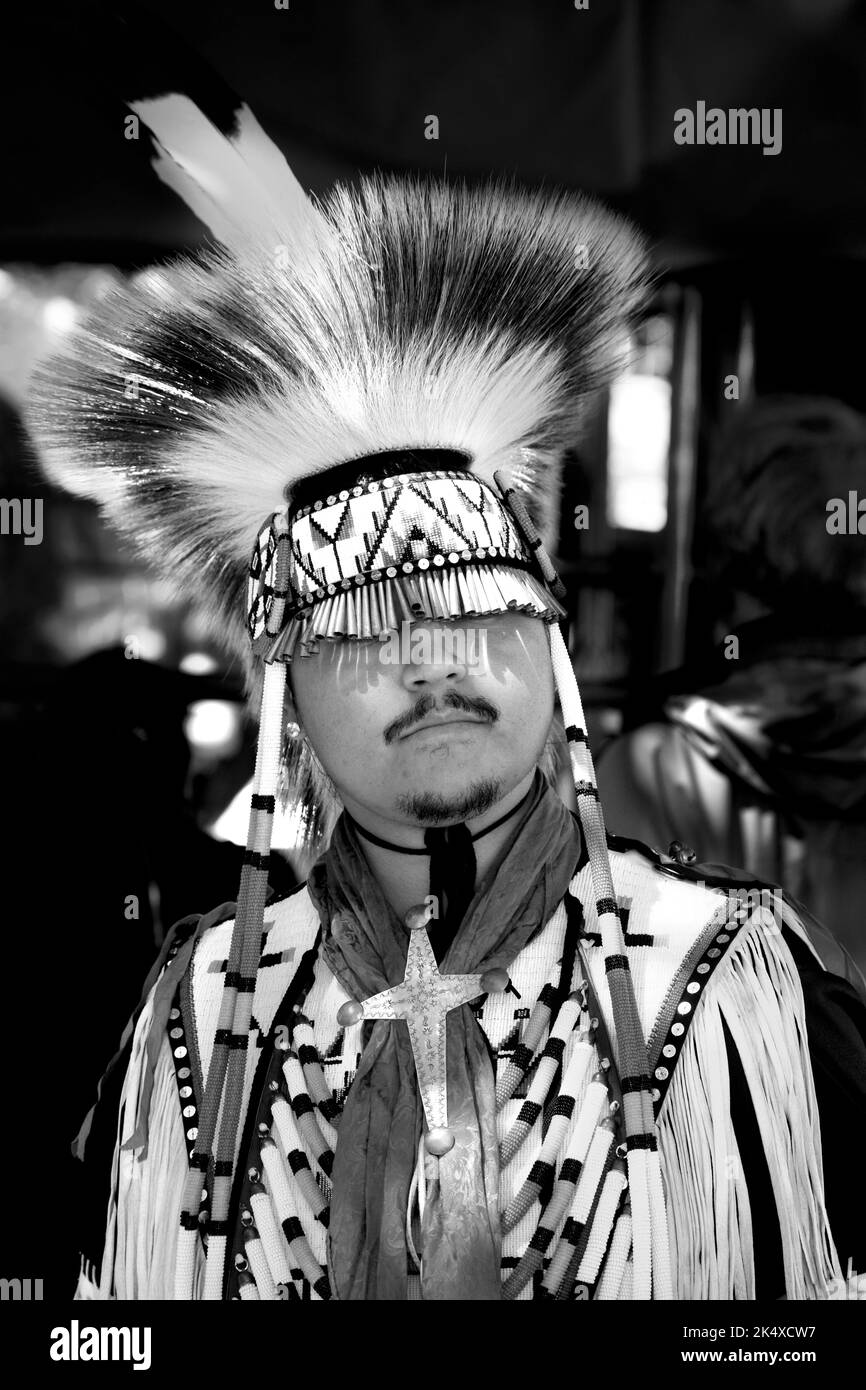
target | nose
x=434, y=657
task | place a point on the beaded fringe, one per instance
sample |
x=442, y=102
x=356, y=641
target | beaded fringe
x=376, y=608
x=711, y=1226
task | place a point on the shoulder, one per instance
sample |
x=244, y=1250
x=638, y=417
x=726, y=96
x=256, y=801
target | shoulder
x=288, y=919
x=673, y=900
x=653, y=881
x=290, y=931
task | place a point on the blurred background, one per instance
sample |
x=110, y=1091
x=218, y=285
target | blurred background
x=717, y=592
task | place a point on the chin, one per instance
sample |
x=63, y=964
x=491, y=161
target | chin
x=443, y=800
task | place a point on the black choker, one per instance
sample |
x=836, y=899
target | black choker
x=402, y=849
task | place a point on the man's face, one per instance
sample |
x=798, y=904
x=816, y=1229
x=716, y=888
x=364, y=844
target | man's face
x=434, y=724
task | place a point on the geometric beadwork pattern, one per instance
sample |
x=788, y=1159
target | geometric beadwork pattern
x=262, y=582
x=410, y=524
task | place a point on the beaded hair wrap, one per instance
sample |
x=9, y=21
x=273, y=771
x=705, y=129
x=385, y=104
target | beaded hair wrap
x=213, y=1157
x=652, y=1275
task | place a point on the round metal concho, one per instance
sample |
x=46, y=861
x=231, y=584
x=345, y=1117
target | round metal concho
x=417, y=917
x=350, y=1013
x=439, y=1142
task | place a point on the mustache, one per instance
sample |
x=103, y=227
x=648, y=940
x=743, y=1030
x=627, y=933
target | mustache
x=466, y=704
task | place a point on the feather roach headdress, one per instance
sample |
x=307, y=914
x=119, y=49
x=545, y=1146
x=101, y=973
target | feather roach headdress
x=398, y=315
x=368, y=396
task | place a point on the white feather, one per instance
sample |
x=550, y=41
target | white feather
x=240, y=186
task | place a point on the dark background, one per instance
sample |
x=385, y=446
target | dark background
x=543, y=91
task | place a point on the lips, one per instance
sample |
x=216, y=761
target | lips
x=442, y=721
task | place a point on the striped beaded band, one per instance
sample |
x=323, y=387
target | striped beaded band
x=712, y=950
x=409, y=532
x=651, y=1253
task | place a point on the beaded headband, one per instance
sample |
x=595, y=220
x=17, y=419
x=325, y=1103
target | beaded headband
x=435, y=544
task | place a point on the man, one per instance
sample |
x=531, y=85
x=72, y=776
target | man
x=483, y=1053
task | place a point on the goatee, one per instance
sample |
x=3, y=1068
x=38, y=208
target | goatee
x=434, y=808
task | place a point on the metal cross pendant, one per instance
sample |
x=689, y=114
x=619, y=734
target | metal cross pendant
x=423, y=998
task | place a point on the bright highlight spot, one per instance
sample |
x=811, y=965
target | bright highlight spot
x=638, y=423
x=59, y=314
x=213, y=726
x=198, y=664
